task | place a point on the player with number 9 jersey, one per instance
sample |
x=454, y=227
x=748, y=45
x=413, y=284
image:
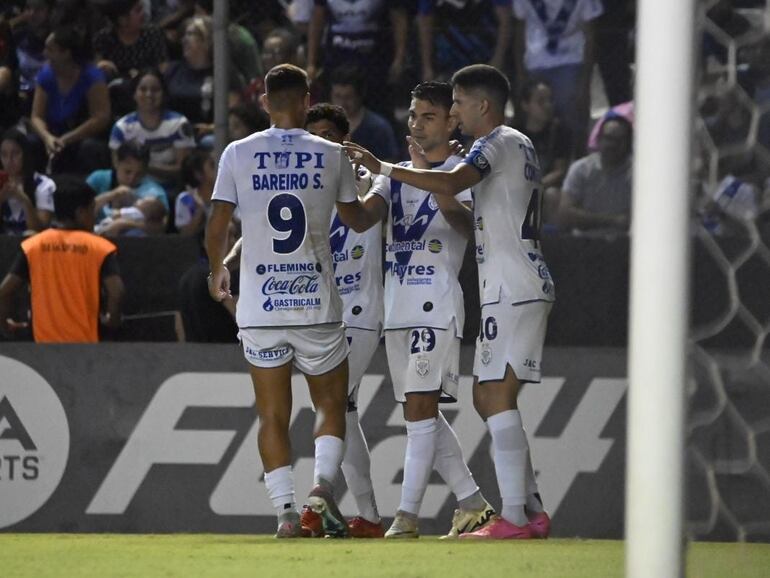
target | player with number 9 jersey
x=285, y=183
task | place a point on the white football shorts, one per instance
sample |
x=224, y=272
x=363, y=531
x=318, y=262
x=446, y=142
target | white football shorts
x=423, y=359
x=315, y=349
x=511, y=335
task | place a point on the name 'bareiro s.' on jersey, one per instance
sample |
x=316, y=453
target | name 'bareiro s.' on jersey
x=506, y=206
x=357, y=261
x=285, y=183
x=423, y=256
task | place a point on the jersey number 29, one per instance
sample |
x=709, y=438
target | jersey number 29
x=286, y=214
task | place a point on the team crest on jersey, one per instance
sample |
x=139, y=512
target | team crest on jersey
x=435, y=246
x=432, y=204
x=486, y=353
x=423, y=366
x=282, y=160
x=481, y=162
x=357, y=252
x=286, y=140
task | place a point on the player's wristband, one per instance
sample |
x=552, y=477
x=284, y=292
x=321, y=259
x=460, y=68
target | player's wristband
x=386, y=169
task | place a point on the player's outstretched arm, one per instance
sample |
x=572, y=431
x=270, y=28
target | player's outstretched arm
x=216, y=247
x=361, y=215
x=462, y=177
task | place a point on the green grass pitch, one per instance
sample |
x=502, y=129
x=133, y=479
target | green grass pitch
x=226, y=556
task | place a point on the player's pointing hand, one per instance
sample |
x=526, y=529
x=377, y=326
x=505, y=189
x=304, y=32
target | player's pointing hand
x=360, y=156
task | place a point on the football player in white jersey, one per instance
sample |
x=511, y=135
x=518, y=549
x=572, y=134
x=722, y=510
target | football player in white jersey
x=285, y=183
x=424, y=313
x=514, y=283
x=357, y=265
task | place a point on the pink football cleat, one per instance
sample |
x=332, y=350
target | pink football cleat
x=500, y=529
x=540, y=524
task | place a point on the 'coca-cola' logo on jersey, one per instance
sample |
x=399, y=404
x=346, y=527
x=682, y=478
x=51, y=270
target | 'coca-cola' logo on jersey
x=300, y=285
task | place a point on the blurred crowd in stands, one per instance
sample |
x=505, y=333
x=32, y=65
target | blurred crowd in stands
x=120, y=94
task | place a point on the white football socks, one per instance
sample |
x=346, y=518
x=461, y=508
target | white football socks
x=356, y=467
x=328, y=456
x=450, y=464
x=418, y=463
x=280, y=490
x=510, y=453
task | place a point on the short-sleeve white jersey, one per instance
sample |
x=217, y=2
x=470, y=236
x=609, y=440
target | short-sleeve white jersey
x=357, y=261
x=423, y=256
x=506, y=206
x=285, y=184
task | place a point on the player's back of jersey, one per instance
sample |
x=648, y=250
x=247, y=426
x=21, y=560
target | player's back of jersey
x=507, y=205
x=285, y=183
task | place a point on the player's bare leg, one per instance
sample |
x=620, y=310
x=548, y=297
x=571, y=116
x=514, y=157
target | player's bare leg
x=328, y=392
x=272, y=392
x=496, y=403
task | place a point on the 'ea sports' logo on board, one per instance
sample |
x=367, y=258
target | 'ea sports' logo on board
x=34, y=441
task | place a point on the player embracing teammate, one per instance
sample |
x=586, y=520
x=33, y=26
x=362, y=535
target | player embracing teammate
x=515, y=286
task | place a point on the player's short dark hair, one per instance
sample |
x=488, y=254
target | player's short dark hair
x=486, y=78
x=331, y=112
x=132, y=149
x=71, y=194
x=350, y=75
x=436, y=93
x=286, y=78
x=192, y=165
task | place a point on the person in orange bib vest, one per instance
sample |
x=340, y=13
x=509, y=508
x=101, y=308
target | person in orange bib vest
x=66, y=268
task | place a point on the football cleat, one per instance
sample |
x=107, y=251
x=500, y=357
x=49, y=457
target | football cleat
x=540, y=524
x=288, y=530
x=321, y=502
x=465, y=521
x=312, y=526
x=403, y=526
x=500, y=529
x=359, y=527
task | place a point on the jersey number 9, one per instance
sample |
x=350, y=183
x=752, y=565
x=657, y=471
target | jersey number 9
x=286, y=215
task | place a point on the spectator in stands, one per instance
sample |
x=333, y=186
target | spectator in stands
x=129, y=44
x=71, y=106
x=554, y=40
x=367, y=128
x=66, y=269
x=190, y=81
x=245, y=119
x=26, y=197
x=8, y=71
x=279, y=47
x=244, y=51
x=147, y=216
x=167, y=134
x=454, y=34
x=552, y=140
x=613, y=49
x=596, y=193
x=122, y=185
x=29, y=33
x=125, y=46
x=356, y=34
x=193, y=205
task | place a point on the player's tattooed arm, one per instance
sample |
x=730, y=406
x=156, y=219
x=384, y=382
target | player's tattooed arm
x=361, y=215
x=458, y=215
